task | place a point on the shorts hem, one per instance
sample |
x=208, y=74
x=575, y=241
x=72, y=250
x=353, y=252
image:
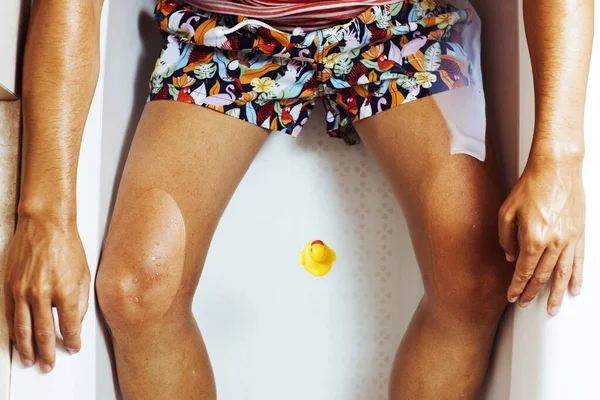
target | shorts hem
x=292, y=130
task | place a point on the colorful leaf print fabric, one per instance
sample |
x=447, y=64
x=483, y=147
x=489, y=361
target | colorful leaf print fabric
x=382, y=58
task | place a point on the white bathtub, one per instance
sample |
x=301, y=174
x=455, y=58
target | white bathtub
x=270, y=326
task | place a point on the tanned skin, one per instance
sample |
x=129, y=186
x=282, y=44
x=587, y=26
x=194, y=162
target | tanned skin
x=46, y=263
x=546, y=207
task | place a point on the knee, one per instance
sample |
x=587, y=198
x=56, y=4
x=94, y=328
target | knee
x=142, y=263
x=475, y=299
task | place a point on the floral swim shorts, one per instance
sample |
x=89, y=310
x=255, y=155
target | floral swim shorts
x=384, y=57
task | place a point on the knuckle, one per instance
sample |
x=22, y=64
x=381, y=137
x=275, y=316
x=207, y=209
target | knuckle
x=574, y=232
x=527, y=297
x=70, y=330
x=504, y=216
x=38, y=293
x=34, y=295
x=22, y=330
x=25, y=353
x=537, y=243
x=19, y=290
x=528, y=251
x=65, y=292
x=531, y=248
x=43, y=336
x=523, y=276
x=563, y=273
x=502, y=212
x=556, y=242
x=541, y=278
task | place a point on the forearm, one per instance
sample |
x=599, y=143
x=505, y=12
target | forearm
x=559, y=34
x=59, y=78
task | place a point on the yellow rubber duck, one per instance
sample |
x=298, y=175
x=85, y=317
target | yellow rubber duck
x=317, y=258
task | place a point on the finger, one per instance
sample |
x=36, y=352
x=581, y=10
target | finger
x=529, y=257
x=577, y=276
x=507, y=230
x=22, y=329
x=69, y=321
x=562, y=276
x=541, y=275
x=44, y=332
x=9, y=312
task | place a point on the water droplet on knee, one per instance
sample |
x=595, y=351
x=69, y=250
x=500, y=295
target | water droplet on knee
x=135, y=280
x=158, y=265
x=136, y=300
x=158, y=243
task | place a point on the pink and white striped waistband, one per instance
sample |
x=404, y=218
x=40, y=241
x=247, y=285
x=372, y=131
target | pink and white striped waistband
x=306, y=14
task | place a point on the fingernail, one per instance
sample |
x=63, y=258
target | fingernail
x=514, y=299
x=510, y=257
x=577, y=291
x=554, y=311
x=71, y=351
x=27, y=363
x=45, y=368
x=524, y=305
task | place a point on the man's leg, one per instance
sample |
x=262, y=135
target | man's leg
x=183, y=167
x=451, y=205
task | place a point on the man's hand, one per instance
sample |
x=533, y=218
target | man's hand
x=46, y=264
x=46, y=267
x=542, y=221
x=542, y=228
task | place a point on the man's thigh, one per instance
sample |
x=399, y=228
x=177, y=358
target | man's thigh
x=450, y=202
x=184, y=165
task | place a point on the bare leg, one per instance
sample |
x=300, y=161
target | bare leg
x=451, y=205
x=183, y=167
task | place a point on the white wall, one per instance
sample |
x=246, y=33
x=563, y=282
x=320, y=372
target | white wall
x=13, y=21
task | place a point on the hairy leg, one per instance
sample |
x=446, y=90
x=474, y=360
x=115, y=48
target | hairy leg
x=451, y=205
x=182, y=169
